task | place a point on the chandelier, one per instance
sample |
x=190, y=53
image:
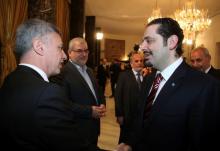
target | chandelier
x=155, y=14
x=192, y=20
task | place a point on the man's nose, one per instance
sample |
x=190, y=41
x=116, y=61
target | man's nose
x=64, y=55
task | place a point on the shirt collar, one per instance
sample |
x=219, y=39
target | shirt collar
x=207, y=70
x=168, y=71
x=38, y=70
x=136, y=72
x=84, y=67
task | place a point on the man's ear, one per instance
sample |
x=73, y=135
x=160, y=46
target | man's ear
x=172, y=42
x=38, y=46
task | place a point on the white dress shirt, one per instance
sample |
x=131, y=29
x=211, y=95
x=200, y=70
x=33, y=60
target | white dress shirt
x=166, y=74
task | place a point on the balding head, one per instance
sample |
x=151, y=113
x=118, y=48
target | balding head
x=200, y=58
x=78, y=51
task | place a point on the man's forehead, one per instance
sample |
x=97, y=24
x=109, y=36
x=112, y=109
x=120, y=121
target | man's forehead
x=151, y=31
x=80, y=44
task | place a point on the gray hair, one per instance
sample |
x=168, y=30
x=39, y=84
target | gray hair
x=132, y=53
x=203, y=49
x=76, y=40
x=30, y=29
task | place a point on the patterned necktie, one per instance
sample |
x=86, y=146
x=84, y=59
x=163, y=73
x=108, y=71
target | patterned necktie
x=152, y=94
x=139, y=79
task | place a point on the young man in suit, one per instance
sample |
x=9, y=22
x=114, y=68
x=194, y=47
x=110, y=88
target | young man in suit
x=201, y=60
x=179, y=110
x=127, y=92
x=35, y=114
x=82, y=89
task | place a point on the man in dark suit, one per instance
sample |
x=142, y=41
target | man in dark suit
x=102, y=74
x=81, y=88
x=181, y=110
x=35, y=114
x=114, y=70
x=201, y=60
x=127, y=93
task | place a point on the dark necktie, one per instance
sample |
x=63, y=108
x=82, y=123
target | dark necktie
x=152, y=94
x=139, y=79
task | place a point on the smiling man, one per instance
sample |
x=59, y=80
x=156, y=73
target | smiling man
x=81, y=87
x=179, y=106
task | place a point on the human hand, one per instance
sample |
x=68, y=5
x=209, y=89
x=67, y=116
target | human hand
x=145, y=71
x=102, y=110
x=98, y=111
x=123, y=147
x=120, y=120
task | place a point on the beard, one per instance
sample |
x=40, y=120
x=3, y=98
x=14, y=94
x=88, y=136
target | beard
x=147, y=63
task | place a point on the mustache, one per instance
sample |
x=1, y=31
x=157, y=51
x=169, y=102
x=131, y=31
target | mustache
x=146, y=54
x=147, y=63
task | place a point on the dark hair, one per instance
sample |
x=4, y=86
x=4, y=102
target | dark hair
x=136, y=47
x=167, y=28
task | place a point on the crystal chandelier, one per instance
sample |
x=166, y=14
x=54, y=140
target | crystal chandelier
x=155, y=14
x=192, y=20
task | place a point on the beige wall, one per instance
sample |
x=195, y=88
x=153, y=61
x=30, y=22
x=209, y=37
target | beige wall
x=130, y=40
x=209, y=39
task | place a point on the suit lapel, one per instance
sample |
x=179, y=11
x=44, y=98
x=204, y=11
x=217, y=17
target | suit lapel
x=79, y=76
x=172, y=85
x=132, y=76
x=94, y=83
x=147, y=83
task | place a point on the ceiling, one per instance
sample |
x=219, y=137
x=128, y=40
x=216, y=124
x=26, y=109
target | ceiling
x=128, y=17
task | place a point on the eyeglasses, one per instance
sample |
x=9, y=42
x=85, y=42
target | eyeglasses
x=136, y=61
x=81, y=51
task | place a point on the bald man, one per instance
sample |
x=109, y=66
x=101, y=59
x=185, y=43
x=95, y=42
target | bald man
x=200, y=60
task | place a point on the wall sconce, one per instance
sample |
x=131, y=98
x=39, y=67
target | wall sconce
x=99, y=34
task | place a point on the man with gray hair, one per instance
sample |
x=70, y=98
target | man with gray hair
x=82, y=89
x=35, y=114
x=200, y=60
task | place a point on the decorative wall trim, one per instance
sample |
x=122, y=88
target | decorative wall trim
x=114, y=49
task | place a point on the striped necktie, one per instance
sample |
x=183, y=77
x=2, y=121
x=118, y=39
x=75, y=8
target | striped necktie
x=152, y=95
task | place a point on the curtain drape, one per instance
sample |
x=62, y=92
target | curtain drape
x=62, y=20
x=12, y=13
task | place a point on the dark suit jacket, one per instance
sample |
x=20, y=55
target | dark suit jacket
x=126, y=100
x=102, y=74
x=115, y=69
x=214, y=72
x=126, y=96
x=35, y=115
x=80, y=94
x=185, y=115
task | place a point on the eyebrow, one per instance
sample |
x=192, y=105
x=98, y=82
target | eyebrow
x=148, y=37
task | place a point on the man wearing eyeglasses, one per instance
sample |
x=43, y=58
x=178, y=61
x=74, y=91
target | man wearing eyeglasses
x=81, y=88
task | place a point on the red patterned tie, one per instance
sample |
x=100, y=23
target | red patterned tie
x=152, y=94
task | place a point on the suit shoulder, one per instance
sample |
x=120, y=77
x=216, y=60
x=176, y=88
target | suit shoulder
x=126, y=72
